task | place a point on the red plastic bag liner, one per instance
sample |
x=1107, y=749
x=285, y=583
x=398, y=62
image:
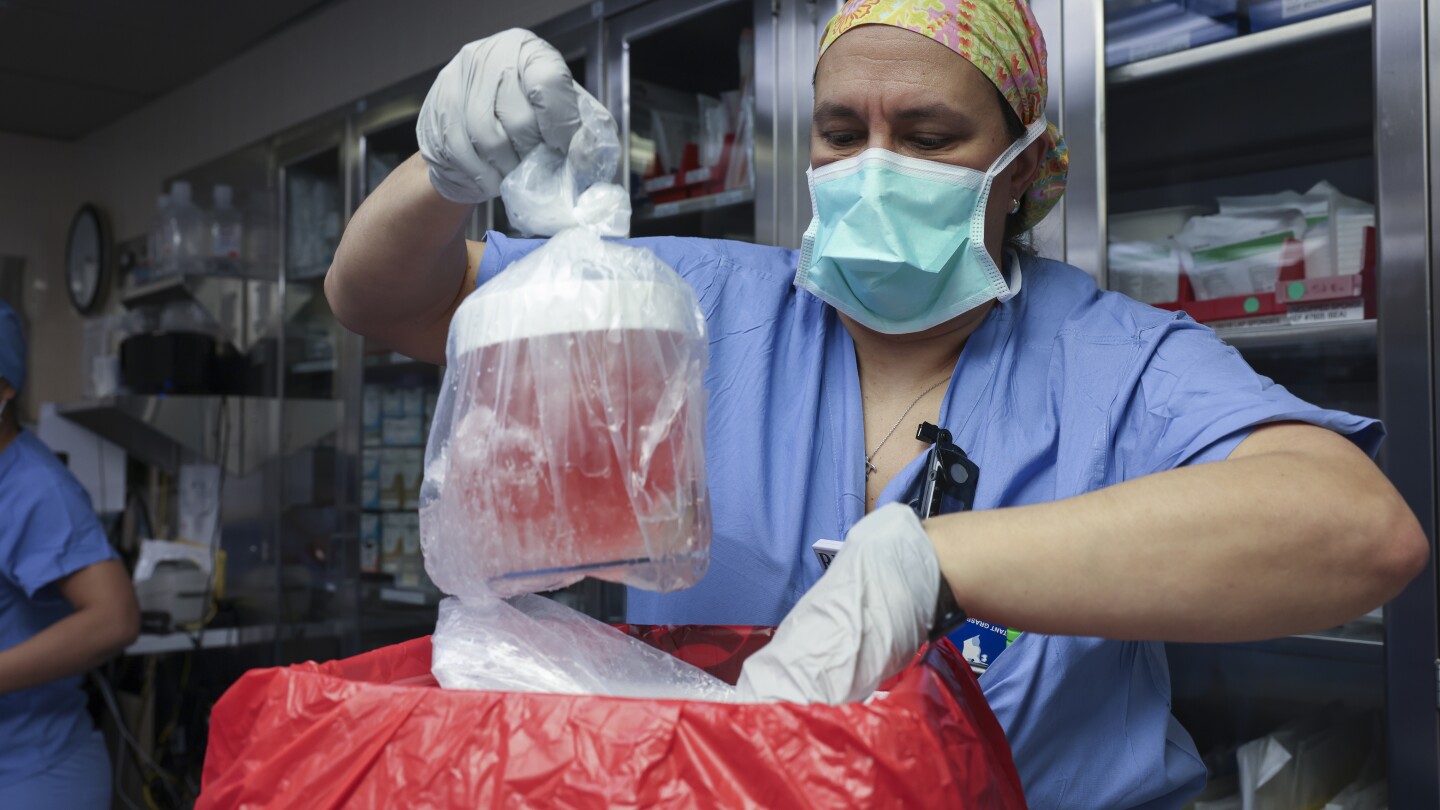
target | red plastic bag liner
x=375, y=731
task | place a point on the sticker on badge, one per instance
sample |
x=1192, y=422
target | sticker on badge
x=981, y=642
x=825, y=551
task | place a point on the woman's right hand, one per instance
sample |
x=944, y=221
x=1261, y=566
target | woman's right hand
x=496, y=100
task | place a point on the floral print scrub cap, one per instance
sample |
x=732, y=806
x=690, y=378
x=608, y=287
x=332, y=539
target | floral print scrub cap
x=1001, y=38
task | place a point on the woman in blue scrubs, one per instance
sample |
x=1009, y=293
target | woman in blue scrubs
x=66, y=605
x=1139, y=482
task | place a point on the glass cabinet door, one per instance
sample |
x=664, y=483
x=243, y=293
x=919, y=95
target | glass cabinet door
x=1237, y=182
x=314, y=560
x=682, y=79
x=396, y=400
x=1240, y=180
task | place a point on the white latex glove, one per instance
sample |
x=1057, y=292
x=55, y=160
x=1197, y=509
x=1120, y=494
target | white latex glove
x=861, y=623
x=496, y=100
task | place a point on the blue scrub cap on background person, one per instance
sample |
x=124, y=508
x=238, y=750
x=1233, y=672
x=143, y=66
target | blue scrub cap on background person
x=12, y=347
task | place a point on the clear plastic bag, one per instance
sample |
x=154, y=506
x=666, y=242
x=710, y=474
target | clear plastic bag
x=532, y=644
x=567, y=442
x=568, y=438
x=549, y=192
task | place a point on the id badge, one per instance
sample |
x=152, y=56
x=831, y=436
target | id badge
x=982, y=642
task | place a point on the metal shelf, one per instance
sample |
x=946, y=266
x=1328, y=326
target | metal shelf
x=1244, y=45
x=1265, y=337
x=392, y=359
x=696, y=205
x=313, y=366
x=242, y=307
x=1357, y=641
x=220, y=637
x=160, y=430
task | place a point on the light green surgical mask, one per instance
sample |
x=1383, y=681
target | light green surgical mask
x=898, y=243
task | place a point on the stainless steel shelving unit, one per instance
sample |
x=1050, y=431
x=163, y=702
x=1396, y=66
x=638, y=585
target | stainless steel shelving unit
x=1379, y=53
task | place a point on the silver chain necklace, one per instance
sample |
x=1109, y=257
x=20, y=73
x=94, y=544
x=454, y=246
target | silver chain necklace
x=870, y=459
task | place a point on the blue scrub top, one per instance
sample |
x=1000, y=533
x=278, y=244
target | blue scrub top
x=1062, y=390
x=47, y=532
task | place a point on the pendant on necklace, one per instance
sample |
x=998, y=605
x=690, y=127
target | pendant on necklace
x=869, y=468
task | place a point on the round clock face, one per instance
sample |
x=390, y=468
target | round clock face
x=85, y=259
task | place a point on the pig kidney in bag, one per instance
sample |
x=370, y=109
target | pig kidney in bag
x=568, y=440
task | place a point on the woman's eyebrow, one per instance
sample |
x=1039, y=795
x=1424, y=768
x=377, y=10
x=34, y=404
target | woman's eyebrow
x=930, y=111
x=831, y=109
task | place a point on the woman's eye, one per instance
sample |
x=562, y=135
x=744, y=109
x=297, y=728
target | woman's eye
x=928, y=141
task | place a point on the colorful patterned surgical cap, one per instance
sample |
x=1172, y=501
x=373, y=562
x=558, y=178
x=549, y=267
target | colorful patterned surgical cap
x=1001, y=38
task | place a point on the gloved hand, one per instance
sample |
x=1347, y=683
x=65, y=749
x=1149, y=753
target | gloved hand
x=496, y=100
x=861, y=623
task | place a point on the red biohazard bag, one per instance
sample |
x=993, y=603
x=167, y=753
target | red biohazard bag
x=375, y=731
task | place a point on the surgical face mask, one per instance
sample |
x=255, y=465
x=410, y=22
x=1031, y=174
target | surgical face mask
x=898, y=243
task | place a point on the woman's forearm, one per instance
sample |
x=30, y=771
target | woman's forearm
x=73, y=645
x=1296, y=532
x=401, y=264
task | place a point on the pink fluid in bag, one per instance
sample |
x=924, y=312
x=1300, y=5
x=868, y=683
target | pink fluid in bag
x=579, y=453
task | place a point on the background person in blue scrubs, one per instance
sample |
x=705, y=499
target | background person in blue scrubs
x=1139, y=482
x=66, y=605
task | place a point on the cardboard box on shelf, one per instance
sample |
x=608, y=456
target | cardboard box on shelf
x=412, y=471
x=394, y=526
x=392, y=402
x=403, y=431
x=392, y=486
x=370, y=408
x=370, y=544
x=410, y=540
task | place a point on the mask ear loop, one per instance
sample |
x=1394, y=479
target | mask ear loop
x=977, y=222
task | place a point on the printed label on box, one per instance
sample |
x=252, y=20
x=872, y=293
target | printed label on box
x=1327, y=313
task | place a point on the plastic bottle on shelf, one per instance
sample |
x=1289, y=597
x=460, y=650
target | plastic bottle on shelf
x=182, y=240
x=161, y=258
x=226, y=232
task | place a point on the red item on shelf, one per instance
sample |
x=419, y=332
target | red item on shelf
x=375, y=731
x=1292, y=288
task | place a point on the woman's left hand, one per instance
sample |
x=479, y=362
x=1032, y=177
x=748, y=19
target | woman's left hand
x=860, y=624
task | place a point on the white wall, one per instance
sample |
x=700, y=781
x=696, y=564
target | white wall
x=37, y=198
x=341, y=54
x=345, y=52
